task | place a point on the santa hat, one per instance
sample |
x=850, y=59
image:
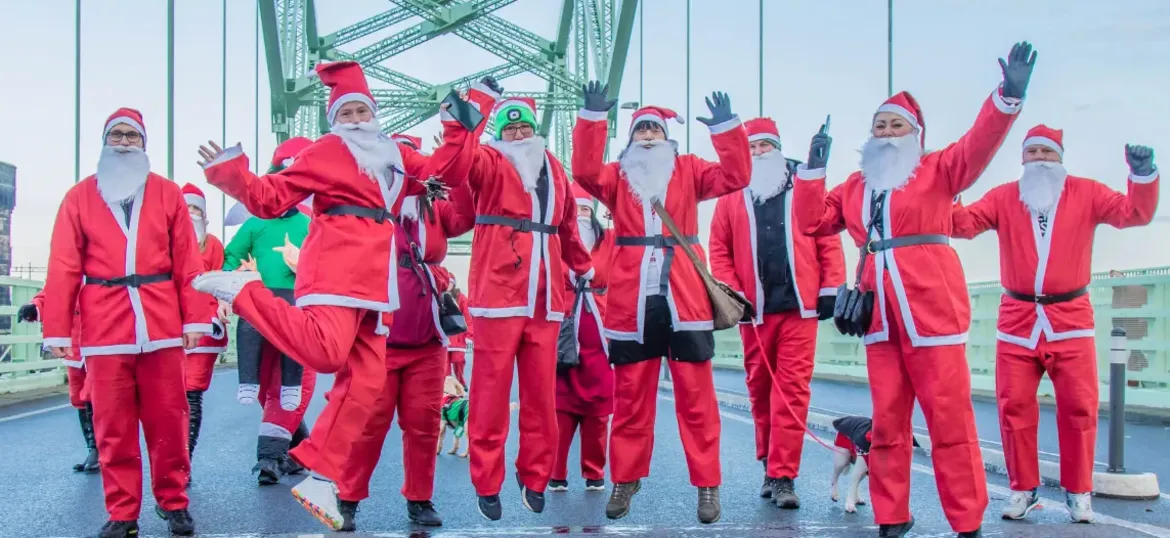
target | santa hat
x=1043, y=135
x=128, y=116
x=514, y=110
x=347, y=83
x=657, y=115
x=288, y=150
x=583, y=198
x=903, y=104
x=763, y=129
x=194, y=196
x=412, y=141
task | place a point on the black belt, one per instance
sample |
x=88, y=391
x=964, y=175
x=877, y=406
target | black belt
x=520, y=225
x=595, y=291
x=128, y=281
x=656, y=241
x=878, y=245
x=1047, y=299
x=379, y=215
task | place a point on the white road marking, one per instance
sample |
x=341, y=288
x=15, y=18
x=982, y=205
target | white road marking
x=35, y=412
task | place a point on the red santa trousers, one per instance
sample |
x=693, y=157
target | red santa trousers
x=276, y=422
x=127, y=390
x=458, y=361
x=631, y=442
x=78, y=390
x=594, y=434
x=528, y=345
x=939, y=378
x=414, y=387
x=325, y=339
x=199, y=368
x=790, y=343
x=1072, y=367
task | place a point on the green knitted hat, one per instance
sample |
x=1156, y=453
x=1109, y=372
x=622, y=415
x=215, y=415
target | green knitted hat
x=515, y=110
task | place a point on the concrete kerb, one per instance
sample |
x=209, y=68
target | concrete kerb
x=1136, y=486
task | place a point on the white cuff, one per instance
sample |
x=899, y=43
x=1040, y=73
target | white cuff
x=1007, y=105
x=227, y=155
x=728, y=125
x=218, y=330
x=57, y=342
x=1142, y=180
x=589, y=275
x=593, y=115
x=483, y=88
x=825, y=292
x=446, y=116
x=204, y=328
x=74, y=364
x=803, y=172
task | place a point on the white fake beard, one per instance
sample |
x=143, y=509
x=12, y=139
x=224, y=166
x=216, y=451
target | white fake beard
x=409, y=210
x=200, y=228
x=588, y=234
x=648, y=166
x=373, y=151
x=889, y=163
x=527, y=157
x=1041, y=185
x=120, y=171
x=769, y=175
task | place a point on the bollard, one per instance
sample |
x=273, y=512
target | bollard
x=1117, y=362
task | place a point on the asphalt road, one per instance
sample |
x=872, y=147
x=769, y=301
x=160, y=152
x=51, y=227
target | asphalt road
x=41, y=497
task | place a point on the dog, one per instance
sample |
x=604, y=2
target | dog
x=454, y=412
x=854, y=438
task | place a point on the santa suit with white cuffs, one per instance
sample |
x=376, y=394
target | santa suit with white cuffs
x=916, y=343
x=1046, y=223
x=123, y=253
x=657, y=304
x=525, y=232
x=791, y=279
x=347, y=274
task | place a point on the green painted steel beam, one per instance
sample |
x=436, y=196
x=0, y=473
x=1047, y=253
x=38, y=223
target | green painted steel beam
x=281, y=114
x=365, y=28
x=561, y=47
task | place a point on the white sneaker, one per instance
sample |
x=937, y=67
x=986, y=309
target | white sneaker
x=224, y=285
x=1020, y=504
x=290, y=398
x=246, y=394
x=1080, y=506
x=319, y=497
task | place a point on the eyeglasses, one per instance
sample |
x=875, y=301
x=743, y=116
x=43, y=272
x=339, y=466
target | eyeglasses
x=523, y=129
x=117, y=136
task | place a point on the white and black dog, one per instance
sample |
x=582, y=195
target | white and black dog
x=853, y=435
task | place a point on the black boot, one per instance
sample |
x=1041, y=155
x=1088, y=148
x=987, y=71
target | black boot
x=195, y=419
x=91, y=464
x=895, y=531
x=289, y=465
x=977, y=533
x=270, y=454
x=118, y=529
x=423, y=513
x=348, y=511
x=301, y=434
x=178, y=521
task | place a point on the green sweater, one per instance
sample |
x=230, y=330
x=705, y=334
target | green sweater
x=258, y=237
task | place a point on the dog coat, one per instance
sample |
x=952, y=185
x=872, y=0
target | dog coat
x=454, y=412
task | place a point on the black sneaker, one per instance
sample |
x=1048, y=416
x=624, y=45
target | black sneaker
x=558, y=485
x=620, y=499
x=423, y=513
x=595, y=485
x=348, y=511
x=178, y=521
x=977, y=533
x=269, y=472
x=532, y=500
x=784, y=493
x=489, y=507
x=895, y=531
x=119, y=529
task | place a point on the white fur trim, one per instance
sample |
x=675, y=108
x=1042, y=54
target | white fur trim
x=481, y=87
x=589, y=274
x=1044, y=141
x=204, y=328
x=769, y=137
x=446, y=116
x=74, y=364
x=1007, y=105
x=128, y=121
x=207, y=350
x=197, y=201
x=227, y=155
x=901, y=111
x=593, y=115
x=585, y=201
x=726, y=126
x=349, y=98
x=803, y=172
x=287, y=162
x=268, y=429
x=57, y=342
x=825, y=292
x=1144, y=179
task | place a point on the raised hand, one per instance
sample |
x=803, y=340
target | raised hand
x=720, y=106
x=1140, y=160
x=491, y=83
x=818, y=150
x=596, y=97
x=1017, y=70
x=209, y=155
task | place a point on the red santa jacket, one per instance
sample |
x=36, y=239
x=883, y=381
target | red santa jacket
x=694, y=180
x=70, y=359
x=91, y=240
x=1059, y=261
x=506, y=263
x=817, y=263
x=926, y=282
x=345, y=260
x=212, y=260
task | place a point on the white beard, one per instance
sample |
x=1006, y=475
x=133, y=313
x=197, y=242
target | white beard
x=588, y=234
x=374, y=152
x=648, y=167
x=200, y=228
x=1041, y=185
x=527, y=157
x=409, y=209
x=769, y=175
x=121, y=170
x=889, y=163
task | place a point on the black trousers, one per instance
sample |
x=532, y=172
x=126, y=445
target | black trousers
x=249, y=348
x=661, y=340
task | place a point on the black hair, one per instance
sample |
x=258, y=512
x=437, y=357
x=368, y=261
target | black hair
x=647, y=125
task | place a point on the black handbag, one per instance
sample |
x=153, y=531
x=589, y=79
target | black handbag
x=853, y=309
x=568, y=355
x=451, y=320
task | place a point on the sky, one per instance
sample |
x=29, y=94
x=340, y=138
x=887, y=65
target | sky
x=1102, y=75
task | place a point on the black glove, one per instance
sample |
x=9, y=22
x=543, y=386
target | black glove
x=818, y=150
x=27, y=312
x=596, y=97
x=825, y=305
x=492, y=85
x=720, y=109
x=1140, y=159
x=1017, y=70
